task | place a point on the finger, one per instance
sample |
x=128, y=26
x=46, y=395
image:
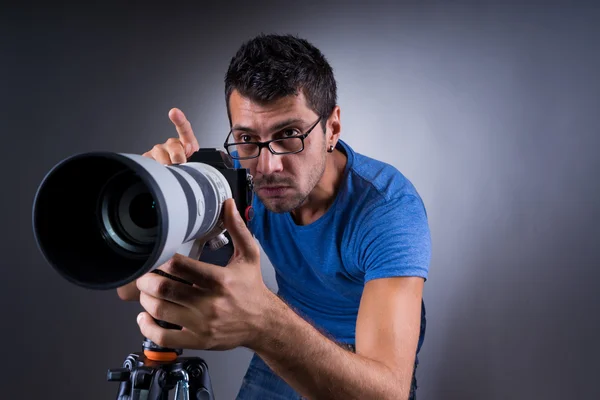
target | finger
x=166, y=311
x=243, y=241
x=129, y=292
x=159, y=154
x=164, y=288
x=200, y=274
x=172, y=338
x=184, y=129
x=176, y=151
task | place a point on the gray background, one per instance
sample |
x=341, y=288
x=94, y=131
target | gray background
x=491, y=110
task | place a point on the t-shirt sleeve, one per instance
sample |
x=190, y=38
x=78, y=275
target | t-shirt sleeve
x=395, y=239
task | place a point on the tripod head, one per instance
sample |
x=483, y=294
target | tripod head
x=145, y=379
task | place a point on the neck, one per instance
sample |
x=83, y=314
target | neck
x=322, y=196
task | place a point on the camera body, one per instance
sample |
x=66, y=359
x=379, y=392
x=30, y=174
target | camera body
x=242, y=190
x=239, y=179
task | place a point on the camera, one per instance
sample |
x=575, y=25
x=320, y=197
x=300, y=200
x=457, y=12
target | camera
x=103, y=219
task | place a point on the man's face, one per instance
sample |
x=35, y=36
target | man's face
x=282, y=182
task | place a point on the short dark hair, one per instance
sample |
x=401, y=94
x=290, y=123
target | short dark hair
x=270, y=67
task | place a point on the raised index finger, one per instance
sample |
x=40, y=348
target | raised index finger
x=184, y=129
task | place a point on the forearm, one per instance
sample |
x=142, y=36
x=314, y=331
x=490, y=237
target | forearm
x=316, y=367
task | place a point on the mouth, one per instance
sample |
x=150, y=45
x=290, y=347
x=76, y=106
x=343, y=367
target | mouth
x=273, y=191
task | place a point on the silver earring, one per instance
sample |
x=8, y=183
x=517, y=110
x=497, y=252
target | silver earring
x=330, y=150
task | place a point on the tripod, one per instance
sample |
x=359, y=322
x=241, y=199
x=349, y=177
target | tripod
x=154, y=372
x=143, y=378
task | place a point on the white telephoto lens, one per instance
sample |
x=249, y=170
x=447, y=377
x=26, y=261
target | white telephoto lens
x=104, y=219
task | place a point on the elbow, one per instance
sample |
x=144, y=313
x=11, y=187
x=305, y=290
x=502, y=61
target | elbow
x=402, y=384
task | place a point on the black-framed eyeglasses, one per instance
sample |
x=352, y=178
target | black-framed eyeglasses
x=280, y=146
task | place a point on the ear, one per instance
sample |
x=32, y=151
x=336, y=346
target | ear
x=334, y=127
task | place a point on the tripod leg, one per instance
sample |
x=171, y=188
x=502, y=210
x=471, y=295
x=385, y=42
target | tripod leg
x=182, y=390
x=124, y=390
x=159, y=386
x=200, y=384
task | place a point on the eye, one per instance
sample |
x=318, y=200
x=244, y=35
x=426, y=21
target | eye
x=244, y=138
x=290, y=132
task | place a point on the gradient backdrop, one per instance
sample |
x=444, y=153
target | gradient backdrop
x=491, y=110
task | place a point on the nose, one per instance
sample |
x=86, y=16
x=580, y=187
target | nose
x=268, y=163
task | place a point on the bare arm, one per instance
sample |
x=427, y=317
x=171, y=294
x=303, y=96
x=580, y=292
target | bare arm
x=387, y=334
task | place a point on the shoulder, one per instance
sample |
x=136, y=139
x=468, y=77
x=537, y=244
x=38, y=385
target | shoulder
x=377, y=182
x=380, y=199
x=390, y=235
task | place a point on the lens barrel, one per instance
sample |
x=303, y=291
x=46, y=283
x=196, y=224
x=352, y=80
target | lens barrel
x=103, y=219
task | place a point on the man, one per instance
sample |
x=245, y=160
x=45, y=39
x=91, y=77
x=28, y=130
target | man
x=347, y=236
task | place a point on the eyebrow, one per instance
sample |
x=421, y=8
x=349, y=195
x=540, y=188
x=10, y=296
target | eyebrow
x=278, y=126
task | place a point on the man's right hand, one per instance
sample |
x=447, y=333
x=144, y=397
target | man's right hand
x=173, y=151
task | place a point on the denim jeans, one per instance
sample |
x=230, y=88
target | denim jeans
x=261, y=383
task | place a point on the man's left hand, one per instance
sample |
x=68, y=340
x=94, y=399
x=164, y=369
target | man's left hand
x=225, y=306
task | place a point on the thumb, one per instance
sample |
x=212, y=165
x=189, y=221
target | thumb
x=243, y=241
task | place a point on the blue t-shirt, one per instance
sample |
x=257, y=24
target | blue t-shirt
x=376, y=228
